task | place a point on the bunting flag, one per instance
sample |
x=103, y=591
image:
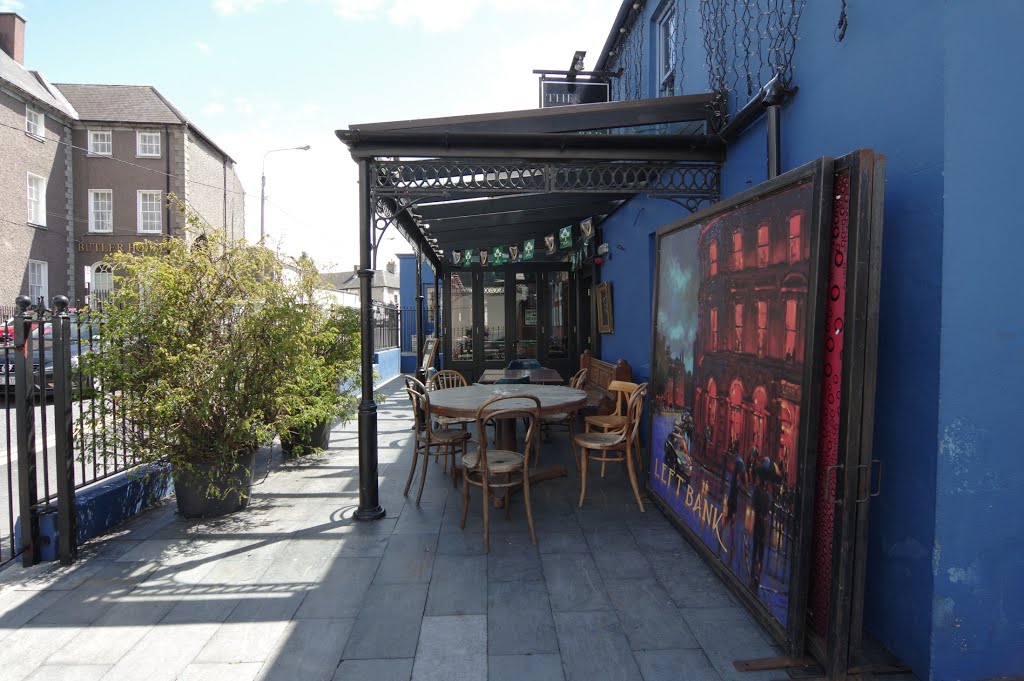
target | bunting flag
x=483, y=257
x=565, y=237
x=467, y=257
x=587, y=228
x=528, y=250
x=498, y=255
x=513, y=253
x=457, y=258
x=549, y=244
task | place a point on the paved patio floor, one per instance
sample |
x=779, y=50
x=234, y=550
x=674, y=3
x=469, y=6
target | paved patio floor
x=292, y=589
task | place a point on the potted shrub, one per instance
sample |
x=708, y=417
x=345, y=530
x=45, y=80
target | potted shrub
x=326, y=390
x=203, y=356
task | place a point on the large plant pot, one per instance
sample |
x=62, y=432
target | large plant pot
x=190, y=489
x=319, y=438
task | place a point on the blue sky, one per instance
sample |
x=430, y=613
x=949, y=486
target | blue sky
x=262, y=74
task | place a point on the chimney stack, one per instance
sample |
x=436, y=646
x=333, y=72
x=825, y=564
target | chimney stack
x=12, y=36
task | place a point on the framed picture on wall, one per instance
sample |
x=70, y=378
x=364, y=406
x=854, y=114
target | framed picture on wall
x=605, y=314
x=736, y=363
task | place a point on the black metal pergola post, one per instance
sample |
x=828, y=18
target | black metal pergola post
x=420, y=373
x=369, y=497
x=437, y=314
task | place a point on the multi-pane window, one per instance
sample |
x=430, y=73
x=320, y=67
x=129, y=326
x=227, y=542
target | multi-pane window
x=713, y=258
x=101, y=210
x=102, y=282
x=794, y=238
x=36, y=200
x=762, y=328
x=737, y=323
x=737, y=250
x=33, y=121
x=101, y=142
x=791, y=310
x=666, y=33
x=38, y=280
x=713, y=323
x=149, y=212
x=763, y=246
x=148, y=144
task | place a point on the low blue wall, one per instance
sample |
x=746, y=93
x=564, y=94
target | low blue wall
x=387, y=364
x=103, y=506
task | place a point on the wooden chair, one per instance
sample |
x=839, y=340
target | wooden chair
x=488, y=468
x=442, y=380
x=444, y=441
x=605, y=422
x=567, y=420
x=616, y=445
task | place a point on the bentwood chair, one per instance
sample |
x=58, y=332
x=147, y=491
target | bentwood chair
x=492, y=468
x=567, y=420
x=446, y=442
x=615, y=446
x=442, y=380
x=614, y=421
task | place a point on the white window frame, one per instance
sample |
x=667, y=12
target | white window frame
x=666, y=22
x=159, y=211
x=138, y=144
x=110, y=143
x=92, y=211
x=34, y=127
x=98, y=271
x=40, y=271
x=36, y=208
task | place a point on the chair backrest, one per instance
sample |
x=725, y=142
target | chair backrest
x=634, y=412
x=579, y=379
x=413, y=386
x=530, y=415
x=421, y=410
x=622, y=390
x=449, y=378
x=511, y=381
x=530, y=364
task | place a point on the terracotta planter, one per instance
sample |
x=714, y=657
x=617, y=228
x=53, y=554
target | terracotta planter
x=190, y=490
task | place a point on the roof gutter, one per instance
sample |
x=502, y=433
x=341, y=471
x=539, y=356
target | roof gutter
x=617, y=25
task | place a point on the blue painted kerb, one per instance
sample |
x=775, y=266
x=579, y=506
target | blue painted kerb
x=103, y=506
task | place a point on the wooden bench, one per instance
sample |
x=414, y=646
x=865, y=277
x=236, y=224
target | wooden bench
x=599, y=375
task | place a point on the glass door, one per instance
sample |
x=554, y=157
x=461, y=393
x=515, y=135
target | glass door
x=557, y=347
x=461, y=355
x=494, y=337
x=525, y=318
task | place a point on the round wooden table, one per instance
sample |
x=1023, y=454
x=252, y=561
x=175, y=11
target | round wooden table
x=464, y=403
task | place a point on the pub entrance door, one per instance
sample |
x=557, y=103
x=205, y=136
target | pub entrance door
x=500, y=315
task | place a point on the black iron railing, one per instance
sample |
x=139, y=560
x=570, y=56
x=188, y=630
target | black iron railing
x=386, y=326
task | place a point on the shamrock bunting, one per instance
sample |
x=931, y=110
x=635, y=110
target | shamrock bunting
x=467, y=257
x=565, y=237
x=498, y=255
x=528, y=250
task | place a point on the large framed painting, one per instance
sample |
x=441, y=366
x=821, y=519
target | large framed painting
x=735, y=383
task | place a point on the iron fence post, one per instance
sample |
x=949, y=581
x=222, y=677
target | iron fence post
x=67, y=544
x=24, y=394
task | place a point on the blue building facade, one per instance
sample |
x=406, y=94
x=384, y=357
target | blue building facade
x=407, y=302
x=923, y=83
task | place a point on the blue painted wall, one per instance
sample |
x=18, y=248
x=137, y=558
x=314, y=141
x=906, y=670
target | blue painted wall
x=387, y=364
x=978, y=608
x=946, y=552
x=407, y=299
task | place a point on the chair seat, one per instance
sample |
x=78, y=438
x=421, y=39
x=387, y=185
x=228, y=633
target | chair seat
x=599, y=440
x=450, y=435
x=606, y=421
x=451, y=420
x=555, y=418
x=498, y=460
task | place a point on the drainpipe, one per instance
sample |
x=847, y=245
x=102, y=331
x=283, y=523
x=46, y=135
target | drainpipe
x=773, y=96
x=369, y=493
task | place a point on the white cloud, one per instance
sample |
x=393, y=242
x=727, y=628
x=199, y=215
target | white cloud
x=202, y=47
x=434, y=15
x=213, y=108
x=11, y=5
x=356, y=10
x=229, y=7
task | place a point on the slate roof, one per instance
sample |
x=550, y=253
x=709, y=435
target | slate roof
x=34, y=85
x=348, y=281
x=128, y=104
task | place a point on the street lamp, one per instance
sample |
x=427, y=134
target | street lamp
x=263, y=183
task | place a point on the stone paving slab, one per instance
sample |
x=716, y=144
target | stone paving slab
x=294, y=589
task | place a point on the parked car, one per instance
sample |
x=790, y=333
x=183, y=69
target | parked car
x=85, y=337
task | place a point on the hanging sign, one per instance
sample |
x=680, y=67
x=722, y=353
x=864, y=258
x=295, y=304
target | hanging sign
x=483, y=257
x=566, y=92
x=457, y=258
x=565, y=237
x=549, y=244
x=528, y=250
x=498, y=255
x=467, y=257
x=587, y=228
x=513, y=252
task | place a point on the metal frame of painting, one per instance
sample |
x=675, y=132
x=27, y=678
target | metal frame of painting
x=787, y=623
x=843, y=491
